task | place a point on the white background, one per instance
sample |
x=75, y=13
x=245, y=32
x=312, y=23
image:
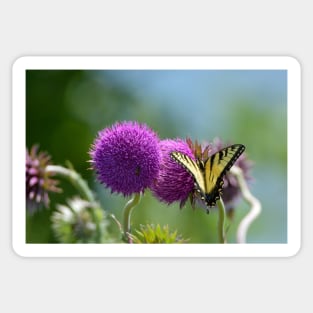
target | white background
x=154, y=28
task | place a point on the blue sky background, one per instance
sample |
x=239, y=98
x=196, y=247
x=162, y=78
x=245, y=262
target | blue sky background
x=207, y=94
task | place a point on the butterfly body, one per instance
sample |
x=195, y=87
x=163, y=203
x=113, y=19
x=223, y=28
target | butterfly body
x=208, y=174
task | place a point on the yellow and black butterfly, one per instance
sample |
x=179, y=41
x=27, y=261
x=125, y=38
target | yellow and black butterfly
x=208, y=174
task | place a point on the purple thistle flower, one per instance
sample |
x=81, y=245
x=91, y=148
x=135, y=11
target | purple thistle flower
x=38, y=182
x=126, y=157
x=174, y=183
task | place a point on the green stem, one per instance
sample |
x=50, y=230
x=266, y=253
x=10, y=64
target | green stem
x=130, y=205
x=221, y=221
x=75, y=179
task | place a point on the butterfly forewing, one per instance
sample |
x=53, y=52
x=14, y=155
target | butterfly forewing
x=191, y=166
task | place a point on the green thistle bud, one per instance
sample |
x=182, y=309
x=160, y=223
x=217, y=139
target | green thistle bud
x=156, y=234
x=80, y=222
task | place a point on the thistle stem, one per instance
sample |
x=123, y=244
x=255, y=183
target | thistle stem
x=221, y=221
x=75, y=179
x=130, y=205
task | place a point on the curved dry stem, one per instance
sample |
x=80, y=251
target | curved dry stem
x=254, y=203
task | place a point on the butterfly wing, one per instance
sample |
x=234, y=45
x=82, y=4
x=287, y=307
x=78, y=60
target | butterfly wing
x=192, y=167
x=215, y=167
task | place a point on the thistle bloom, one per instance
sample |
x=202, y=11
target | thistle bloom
x=38, y=182
x=126, y=157
x=174, y=183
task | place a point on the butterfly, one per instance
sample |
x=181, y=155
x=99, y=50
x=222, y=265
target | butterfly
x=208, y=174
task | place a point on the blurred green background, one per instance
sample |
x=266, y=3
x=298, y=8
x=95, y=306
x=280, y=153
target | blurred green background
x=65, y=109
